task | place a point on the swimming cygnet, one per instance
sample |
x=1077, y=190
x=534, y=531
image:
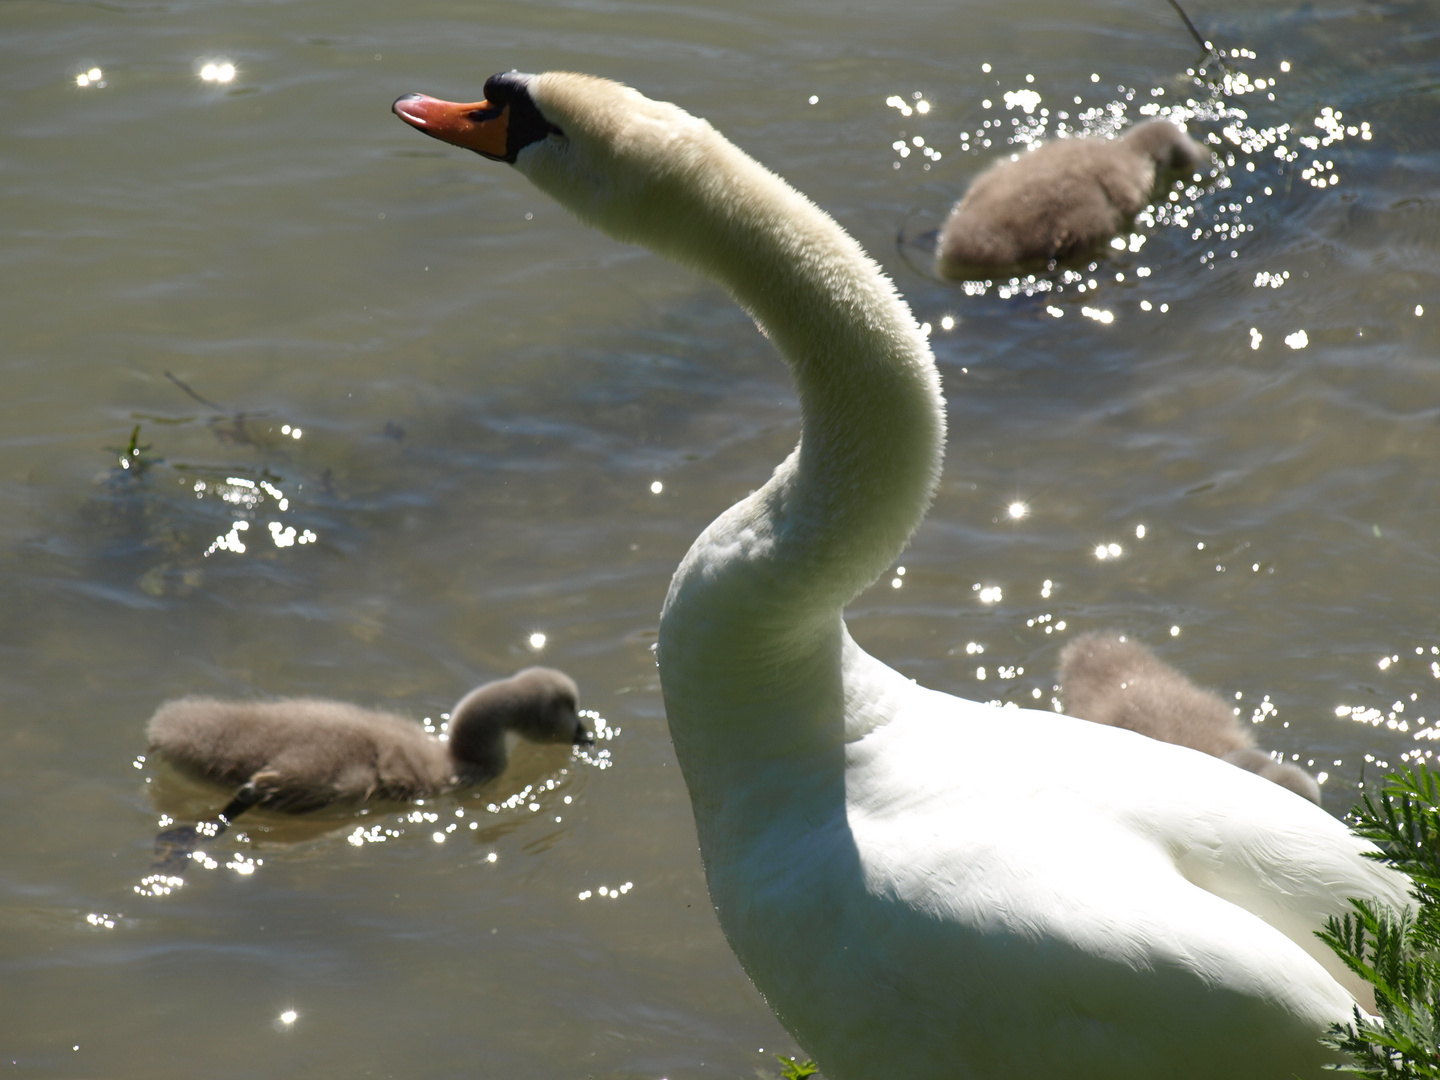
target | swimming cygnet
x=298, y=754
x=1110, y=679
x=1063, y=198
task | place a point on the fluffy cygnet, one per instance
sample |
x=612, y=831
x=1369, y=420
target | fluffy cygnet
x=1110, y=679
x=1063, y=198
x=302, y=753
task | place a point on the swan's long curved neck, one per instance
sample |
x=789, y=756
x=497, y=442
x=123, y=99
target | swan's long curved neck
x=842, y=507
x=751, y=632
x=751, y=626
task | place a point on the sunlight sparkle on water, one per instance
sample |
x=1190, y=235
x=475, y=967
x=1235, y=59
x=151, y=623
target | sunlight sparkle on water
x=1022, y=99
x=537, y=641
x=1018, y=510
x=895, y=101
x=94, y=77
x=222, y=72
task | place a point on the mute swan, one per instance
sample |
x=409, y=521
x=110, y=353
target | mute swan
x=921, y=886
x=1111, y=679
x=1063, y=198
x=300, y=754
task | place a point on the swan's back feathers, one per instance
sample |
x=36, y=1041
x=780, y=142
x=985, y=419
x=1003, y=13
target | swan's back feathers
x=1222, y=829
x=1138, y=897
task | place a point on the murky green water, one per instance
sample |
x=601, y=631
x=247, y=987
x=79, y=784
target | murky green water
x=485, y=394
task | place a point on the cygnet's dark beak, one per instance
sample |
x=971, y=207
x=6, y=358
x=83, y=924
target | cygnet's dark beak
x=583, y=737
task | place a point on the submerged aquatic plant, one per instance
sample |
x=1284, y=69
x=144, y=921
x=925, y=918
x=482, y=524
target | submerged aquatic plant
x=133, y=458
x=1398, y=953
x=797, y=1070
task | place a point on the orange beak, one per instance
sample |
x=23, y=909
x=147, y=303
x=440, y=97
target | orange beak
x=478, y=126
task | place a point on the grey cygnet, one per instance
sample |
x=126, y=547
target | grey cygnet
x=1110, y=679
x=1061, y=199
x=299, y=754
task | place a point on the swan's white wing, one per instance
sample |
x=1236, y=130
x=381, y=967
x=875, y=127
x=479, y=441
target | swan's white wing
x=1095, y=808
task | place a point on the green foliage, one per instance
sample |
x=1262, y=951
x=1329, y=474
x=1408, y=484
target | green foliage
x=134, y=459
x=796, y=1070
x=1398, y=953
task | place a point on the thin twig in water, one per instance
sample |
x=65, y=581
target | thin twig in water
x=1191, y=27
x=1208, y=47
x=220, y=408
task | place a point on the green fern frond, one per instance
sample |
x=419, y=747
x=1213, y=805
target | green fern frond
x=1398, y=953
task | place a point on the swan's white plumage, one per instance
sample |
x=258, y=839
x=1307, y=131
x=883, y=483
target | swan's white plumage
x=920, y=885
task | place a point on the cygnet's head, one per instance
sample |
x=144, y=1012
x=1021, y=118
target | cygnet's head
x=1169, y=147
x=539, y=704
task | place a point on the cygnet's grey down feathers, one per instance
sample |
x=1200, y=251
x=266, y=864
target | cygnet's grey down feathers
x=1062, y=198
x=1111, y=679
x=302, y=753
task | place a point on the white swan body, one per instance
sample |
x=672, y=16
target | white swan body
x=921, y=886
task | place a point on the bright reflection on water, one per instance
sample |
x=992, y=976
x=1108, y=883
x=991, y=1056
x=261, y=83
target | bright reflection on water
x=221, y=72
x=297, y=402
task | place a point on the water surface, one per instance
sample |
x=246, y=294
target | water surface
x=454, y=404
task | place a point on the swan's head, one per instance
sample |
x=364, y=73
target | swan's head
x=627, y=165
x=539, y=704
